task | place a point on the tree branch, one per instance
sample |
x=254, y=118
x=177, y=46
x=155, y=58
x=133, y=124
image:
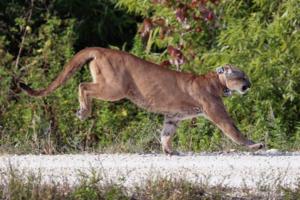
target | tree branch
x=24, y=35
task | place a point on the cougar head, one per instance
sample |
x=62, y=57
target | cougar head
x=234, y=78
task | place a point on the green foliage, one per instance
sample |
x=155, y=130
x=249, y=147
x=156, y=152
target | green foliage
x=16, y=186
x=99, y=22
x=264, y=44
x=259, y=36
x=262, y=38
x=53, y=32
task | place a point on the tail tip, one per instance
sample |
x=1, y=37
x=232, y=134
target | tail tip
x=23, y=86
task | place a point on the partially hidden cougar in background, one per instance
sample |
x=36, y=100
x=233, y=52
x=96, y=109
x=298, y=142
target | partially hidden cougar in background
x=177, y=95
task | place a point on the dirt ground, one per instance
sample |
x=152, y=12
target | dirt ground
x=238, y=170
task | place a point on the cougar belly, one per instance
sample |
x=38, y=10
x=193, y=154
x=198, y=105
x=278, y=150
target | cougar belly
x=177, y=110
x=190, y=113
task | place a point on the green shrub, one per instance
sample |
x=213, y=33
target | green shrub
x=259, y=36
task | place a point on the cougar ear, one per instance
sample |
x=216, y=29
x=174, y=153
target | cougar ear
x=228, y=69
x=220, y=70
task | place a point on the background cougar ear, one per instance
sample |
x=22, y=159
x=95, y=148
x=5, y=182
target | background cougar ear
x=220, y=70
x=227, y=69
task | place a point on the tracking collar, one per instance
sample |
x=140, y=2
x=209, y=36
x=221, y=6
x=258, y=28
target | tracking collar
x=220, y=70
x=227, y=92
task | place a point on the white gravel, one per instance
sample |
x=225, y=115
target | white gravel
x=237, y=170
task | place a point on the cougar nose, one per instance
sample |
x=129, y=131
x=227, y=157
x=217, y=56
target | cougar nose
x=246, y=86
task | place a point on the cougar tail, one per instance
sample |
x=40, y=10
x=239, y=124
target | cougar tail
x=81, y=58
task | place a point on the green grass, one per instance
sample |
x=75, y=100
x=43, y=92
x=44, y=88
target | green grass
x=32, y=187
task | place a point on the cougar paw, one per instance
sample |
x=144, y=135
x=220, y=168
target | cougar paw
x=171, y=152
x=82, y=114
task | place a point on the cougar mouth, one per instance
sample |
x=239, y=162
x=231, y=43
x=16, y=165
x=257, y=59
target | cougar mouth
x=245, y=88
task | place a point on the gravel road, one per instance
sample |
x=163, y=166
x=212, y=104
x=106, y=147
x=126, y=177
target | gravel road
x=239, y=170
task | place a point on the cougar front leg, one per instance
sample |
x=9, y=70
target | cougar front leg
x=217, y=113
x=169, y=129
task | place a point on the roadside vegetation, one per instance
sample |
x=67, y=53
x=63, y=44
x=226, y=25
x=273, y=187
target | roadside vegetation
x=38, y=37
x=12, y=186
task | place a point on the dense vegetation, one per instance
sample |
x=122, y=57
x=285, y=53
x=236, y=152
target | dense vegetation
x=37, y=38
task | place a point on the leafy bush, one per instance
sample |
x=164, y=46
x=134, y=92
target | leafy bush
x=43, y=36
x=259, y=36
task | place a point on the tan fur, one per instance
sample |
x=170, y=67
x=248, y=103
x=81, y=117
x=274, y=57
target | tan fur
x=117, y=75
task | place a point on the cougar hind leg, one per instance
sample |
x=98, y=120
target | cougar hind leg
x=100, y=88
x=102, y=91
x=86, y=91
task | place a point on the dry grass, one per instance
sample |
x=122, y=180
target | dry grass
x=32, y=187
